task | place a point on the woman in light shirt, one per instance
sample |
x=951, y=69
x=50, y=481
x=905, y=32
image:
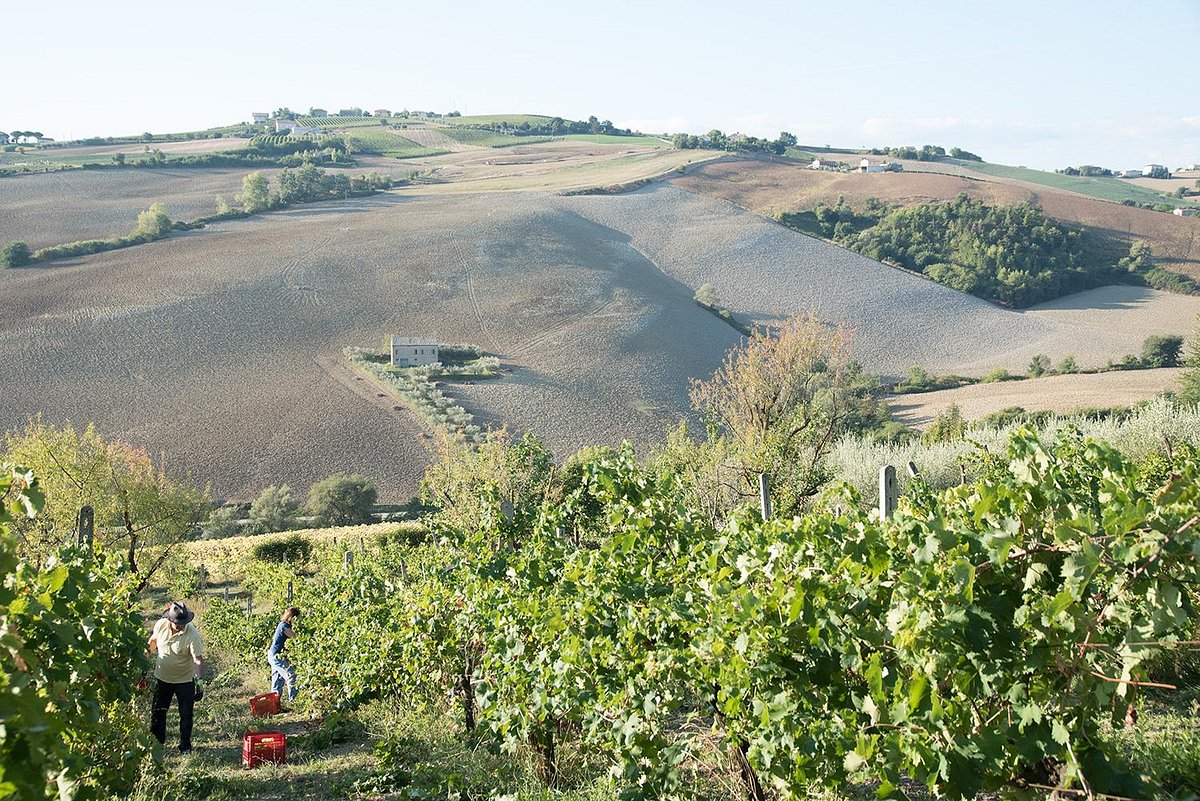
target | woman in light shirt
x=179, y=664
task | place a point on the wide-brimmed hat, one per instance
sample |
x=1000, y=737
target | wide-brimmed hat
x=179, y=614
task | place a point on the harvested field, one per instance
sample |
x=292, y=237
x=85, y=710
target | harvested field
x=1059, y=393
x=221, y=348
x=762, y=270
x=92, y=154
x=52, y=208
x=206, y=348
x=771, y=187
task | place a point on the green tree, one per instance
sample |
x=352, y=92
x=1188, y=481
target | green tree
x=1038, y=365
x=119, y=159
x=274, y=509
x=1067, y=366
x=139, y=510
x=1162, y=351
x=256, y=193
x=948, y=426
x=787, y=139
x=14, y=254
x=777, y=404
x=153, y=223
x=1189, y=382
x=707, y=295
x=341, y=500
x=221, y=522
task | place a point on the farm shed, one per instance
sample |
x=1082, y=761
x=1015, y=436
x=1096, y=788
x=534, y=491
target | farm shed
x=414, y=351
x=1185, y=212
x=821, y=164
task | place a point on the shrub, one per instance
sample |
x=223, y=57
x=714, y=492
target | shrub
x=14, y=254
x=274, y=509
x=1067, y=366
x=222, y=522
x=1038, y=365
x=948, y=426
x=1162, y=351
x=341, y=500
x=294, y=549
x=997, y=375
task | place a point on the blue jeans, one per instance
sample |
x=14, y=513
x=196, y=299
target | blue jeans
x=281, y=674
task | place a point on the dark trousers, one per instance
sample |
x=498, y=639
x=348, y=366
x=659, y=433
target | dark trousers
x=186, y=694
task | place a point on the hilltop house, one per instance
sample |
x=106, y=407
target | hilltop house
x=822, y=164
x=1185, y=212
x=866, y=166
x=260, y=116
x=1130, y=174
x=1155, y=171
x=382, y=112
x=350, y=112
x=414, y=351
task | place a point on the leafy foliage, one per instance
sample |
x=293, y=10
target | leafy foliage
x=73, y=652
x=341, y=500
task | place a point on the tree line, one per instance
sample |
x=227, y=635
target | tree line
x=1012, y=255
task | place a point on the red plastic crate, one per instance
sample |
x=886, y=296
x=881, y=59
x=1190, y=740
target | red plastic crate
x=264, y=748
x=265, y=704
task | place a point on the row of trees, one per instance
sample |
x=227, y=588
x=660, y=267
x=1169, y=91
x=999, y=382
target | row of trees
x=306, y=184
x=337, y=500
x=925, y=153
x=718, y=140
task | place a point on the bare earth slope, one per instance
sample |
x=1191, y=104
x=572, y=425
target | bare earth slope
x=764, y=270
x=772, y=187
x=221, y=348
x=57, y=207
x=214, y=348
x=1060, y=393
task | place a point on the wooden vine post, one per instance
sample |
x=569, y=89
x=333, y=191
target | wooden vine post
x=86, y=527
x=888, y=492
x=764, y=495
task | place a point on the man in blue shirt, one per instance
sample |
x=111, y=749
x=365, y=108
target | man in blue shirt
x=282, y=672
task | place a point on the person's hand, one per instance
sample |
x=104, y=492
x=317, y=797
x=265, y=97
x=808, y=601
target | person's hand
x=198, y=690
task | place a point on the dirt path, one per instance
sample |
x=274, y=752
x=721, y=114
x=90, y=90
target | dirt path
x=1060, y=393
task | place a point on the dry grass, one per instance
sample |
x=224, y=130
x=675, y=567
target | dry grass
x=1060, y=394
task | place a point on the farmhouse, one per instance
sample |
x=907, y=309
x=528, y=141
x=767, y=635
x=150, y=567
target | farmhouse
x=260, y=116
x=866, y=166
x=414, y=351
x=295, y=128
x=350, y=112
x=1185, y=212
x=1153, y=170
x=821, y=164
x=382, y=112
x=1131, y=174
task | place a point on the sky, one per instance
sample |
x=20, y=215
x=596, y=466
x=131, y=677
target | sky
x=1045, y=83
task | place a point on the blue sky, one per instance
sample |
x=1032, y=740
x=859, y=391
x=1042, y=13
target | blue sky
x=1044, y=84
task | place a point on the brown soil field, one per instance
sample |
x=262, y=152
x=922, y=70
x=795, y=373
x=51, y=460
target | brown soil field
x=56, y=207
x=1060, y=393
x=220, y=348
x=771, y=187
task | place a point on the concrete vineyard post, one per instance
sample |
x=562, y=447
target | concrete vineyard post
x=913, y=472
x=289, y=593
x=86, y=527
x=249, y=604
x=225, y=594
x=887, y=491
x=201, y=578
x=349, y=558
x=764, y=495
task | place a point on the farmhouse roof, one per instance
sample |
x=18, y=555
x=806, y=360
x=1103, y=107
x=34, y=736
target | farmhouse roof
x=415, y=342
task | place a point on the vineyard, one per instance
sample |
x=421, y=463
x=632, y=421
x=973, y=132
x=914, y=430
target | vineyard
x=585, y=629
x=386, y=143
x=484, y=138
x=340, y=122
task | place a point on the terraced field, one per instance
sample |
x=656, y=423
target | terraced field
x=480, y=138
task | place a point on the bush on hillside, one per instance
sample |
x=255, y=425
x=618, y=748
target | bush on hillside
x=294, y=550
x=14, y=254
x=341, y=500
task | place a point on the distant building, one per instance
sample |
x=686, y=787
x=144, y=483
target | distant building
x=382, y=112
x=866, y=166
x=821, y=164
x=261, y=116
x=1155, y=171
x=1185, y=212
x=350, y=112
x=414, y=351
x=296, y=129
x=318, y=112
x=1190, y=168
x=1131, y=174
